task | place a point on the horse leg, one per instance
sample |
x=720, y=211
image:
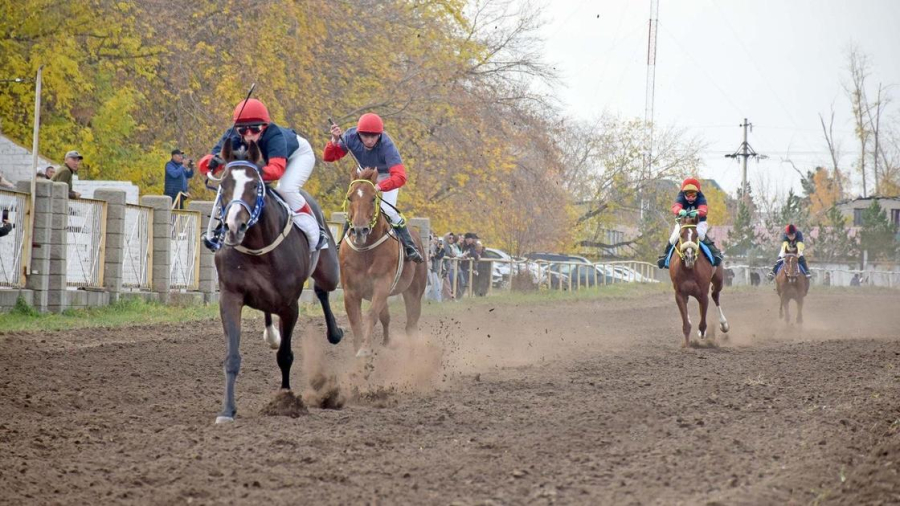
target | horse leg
x=413, y=302
x=285, y=356
x=379, y=303
x=800, y=310
x=787, y=309
x=326, y=278
x=704, y=305
x=230, y=307
x=385, y=317
x=717, y=282
x=335, y=333
x=681, y=300
x=271, y=335
x=353, y=307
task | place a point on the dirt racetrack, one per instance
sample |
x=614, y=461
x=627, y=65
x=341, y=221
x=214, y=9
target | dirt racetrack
x=584, y=402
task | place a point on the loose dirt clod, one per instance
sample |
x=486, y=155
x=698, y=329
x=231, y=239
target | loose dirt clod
x=285, y=403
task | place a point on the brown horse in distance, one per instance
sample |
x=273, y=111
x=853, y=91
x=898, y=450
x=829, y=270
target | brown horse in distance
x=692, y=274
x=791, y=284
x=370, y=258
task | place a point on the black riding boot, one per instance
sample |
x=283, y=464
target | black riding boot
x=661, y=261
x=717, y=255
x=805, y=267
x=774, y=272
x=411, y=252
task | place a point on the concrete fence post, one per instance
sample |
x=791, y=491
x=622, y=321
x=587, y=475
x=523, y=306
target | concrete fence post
x=115, y=240
x=38, y=281
x=209, y=280
x=57, y=296
x=162, y=243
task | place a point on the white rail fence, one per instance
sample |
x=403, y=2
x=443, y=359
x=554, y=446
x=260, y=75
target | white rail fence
x=86, y=234
x=137, y=253
x=12, y=248
x=467, y=277
x=184, y=255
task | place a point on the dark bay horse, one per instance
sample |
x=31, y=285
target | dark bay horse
x=791, y=284
x=692, y=274
x=373, y=266
x=264, y=264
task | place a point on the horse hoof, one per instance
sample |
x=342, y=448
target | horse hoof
x=336, y=337
x=224, y=419
x=725, y=327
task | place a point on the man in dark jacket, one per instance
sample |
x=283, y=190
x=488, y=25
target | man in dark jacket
x=5, y=228
x=177, y=176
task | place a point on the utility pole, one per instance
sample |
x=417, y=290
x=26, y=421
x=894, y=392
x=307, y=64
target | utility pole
x=745, y=151
x=649, y=98
x=35, y=147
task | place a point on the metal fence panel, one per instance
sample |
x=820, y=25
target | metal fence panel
x=12, y=245
x=137, y=253
x=86, y=234
x=184, y=255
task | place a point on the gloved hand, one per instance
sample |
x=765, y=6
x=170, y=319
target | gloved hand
x=682, y=213
x=694, y=213
x=215, y=163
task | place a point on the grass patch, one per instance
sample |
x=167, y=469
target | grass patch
x=130, y=311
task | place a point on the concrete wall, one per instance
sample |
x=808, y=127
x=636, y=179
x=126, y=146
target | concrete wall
x=15, y=161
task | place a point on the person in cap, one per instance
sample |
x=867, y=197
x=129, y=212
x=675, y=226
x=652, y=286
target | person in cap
x=177, y=175
x=70, y=167
x=289, y=159
x=792, y=238
x=373, y=147
x=691, y=199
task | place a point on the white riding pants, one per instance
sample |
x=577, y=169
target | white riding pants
x=702, y=228
x=299, y=167
x=391, y=198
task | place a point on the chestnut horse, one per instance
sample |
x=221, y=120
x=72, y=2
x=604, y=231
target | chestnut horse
x=692, y=273
x=791, y=284
x=264, y=264
x=373, y=265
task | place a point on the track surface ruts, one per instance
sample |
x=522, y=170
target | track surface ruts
x=588, y=402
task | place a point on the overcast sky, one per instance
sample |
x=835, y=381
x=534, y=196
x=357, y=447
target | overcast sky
x=778, y=63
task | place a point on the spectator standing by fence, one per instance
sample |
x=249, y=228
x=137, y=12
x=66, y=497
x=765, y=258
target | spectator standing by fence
x=435, y=277
x=47, y=172
x=69, y=169
x=177, y=176
x=5, y=227
x=450, y=268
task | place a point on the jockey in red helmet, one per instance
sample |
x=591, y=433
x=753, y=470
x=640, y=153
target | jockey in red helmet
x=289, y=160
x=690, y=198
x=373, y=147
x=792, y=238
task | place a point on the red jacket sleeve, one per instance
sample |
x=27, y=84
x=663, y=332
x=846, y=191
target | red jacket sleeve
x=333, y=152
x=702, y=209
x=396, y=180
x=203, y=165
x=275, y=169
x=677, y=207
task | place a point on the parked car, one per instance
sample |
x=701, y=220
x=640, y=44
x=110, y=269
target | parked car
x=563, y=264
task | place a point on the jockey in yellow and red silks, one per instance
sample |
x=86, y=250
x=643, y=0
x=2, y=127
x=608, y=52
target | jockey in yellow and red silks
x=689, y=199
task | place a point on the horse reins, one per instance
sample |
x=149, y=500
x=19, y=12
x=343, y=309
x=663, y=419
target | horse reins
x=255, y=212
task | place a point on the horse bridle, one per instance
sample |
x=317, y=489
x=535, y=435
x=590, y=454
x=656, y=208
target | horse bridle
x=378, y=200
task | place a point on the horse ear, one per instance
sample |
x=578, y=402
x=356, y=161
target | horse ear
x=227, y=149
x=374, y=175
x=354, y=173
x=255, y=155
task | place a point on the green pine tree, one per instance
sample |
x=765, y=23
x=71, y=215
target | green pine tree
x=742, y=238
x=877, y=235
x=834, y=242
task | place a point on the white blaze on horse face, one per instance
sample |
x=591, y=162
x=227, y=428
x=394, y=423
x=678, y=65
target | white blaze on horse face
x=240, y=183
x=359, y=192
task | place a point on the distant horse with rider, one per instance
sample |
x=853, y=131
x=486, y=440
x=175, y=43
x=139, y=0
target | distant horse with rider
x=374, y=266
x=692, y=273
x=791, y=284
x=264, y=264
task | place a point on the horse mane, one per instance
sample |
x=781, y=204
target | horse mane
x=368, y=173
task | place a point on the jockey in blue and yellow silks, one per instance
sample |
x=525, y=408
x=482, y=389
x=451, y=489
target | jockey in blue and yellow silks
x=690, y=198
x=792, y=238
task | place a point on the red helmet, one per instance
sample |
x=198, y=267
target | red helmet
x=790, y=229
x=690, y=184
x=252, y=113
x=370, y=123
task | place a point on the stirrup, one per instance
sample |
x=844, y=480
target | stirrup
x=413, y=254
